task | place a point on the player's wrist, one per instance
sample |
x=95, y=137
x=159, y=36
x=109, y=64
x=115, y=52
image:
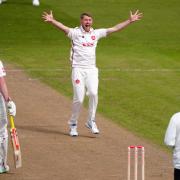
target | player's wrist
x=53, y=21
x=130, y=20
x=8, y=99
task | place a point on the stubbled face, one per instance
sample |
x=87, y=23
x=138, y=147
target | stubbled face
x=86, y=23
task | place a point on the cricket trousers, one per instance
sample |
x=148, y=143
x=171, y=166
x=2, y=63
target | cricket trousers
x=3, y=133
x=84, y=81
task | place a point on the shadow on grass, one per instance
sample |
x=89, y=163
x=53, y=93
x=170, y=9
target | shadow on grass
x=42, y=129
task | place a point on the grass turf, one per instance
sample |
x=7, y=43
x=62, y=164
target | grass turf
x=139, y=67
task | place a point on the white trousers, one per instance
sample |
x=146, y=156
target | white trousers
x=3, y=152
x=3, y=133
x=85, y=81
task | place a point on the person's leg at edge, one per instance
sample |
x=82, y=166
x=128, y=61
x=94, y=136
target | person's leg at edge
x=3, y=151
x=3, y=137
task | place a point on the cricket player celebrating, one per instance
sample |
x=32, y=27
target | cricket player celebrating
x=83, y=59
x=172, y=139
x=4, y=100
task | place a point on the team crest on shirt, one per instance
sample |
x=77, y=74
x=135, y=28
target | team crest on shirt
x=93, y=37
x=77, y=81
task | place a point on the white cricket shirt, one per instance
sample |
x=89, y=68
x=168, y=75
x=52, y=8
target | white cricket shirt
x=83, y=51
x=172, y=138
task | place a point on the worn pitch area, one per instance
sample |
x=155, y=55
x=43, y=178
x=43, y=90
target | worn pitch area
x=48, y=152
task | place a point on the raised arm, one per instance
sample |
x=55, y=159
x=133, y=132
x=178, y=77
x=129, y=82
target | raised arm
x=48, y=17
x=133, y=17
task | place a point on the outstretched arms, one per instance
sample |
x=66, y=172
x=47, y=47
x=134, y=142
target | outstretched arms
x=133, y=17
x=48, y=17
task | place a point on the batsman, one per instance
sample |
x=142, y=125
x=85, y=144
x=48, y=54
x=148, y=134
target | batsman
x=5, y=102
x=83, y=59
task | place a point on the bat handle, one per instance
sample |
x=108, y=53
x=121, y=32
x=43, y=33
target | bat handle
x=12, y=122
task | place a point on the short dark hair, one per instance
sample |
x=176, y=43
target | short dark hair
x=85, y=14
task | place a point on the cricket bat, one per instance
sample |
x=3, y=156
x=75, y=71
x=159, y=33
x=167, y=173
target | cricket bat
x=15, y=144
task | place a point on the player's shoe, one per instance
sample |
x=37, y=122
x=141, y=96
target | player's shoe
x=4, y=169
x=92, y=126
x=73, y=130
x=36, y=3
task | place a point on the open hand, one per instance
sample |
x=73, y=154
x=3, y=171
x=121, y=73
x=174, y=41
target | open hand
x=48, y=17
x=136, y=16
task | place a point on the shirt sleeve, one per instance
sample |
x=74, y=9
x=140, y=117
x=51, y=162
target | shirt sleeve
x=170, y=136
x=2, y=70
x=72, y=33
x=101, y=33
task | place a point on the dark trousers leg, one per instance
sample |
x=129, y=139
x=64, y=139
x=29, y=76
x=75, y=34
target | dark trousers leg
x=176, y=174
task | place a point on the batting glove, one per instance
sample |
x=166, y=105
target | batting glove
x=11, y=108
